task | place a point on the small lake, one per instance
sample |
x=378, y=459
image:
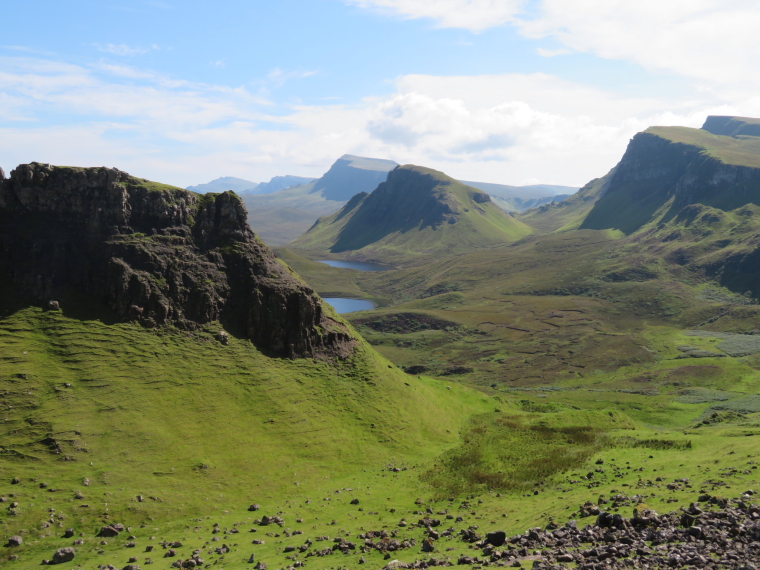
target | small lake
x=342, y=305
x=358, y=265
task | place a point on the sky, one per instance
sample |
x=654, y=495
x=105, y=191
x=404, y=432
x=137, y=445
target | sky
x=503, y=91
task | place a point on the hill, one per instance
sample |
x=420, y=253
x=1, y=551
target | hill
x=223, y=184
x=666, y=169
x=418, y=211
x=299, y=206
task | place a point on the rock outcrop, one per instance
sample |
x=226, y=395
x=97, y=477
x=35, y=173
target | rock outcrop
x=158, y=255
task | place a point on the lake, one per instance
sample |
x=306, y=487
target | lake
x=358, y=265
x=342, y=305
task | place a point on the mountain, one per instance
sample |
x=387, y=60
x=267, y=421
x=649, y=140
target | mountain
x=417, y=211
x=223, y=184
x=280, y=183
x=282, y=216
x=351, y=175
x=156, y=255
x=666, y=169
x=521, y=198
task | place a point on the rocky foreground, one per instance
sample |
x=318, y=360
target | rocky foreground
x=713, y=533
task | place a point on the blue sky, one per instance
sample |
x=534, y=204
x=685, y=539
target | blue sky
x=494, y=90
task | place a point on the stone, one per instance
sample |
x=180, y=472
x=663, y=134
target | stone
x=53, y=305
x=496, y=538
x=223, y=337
x=108, y=531
x=15, y=541
x=68, y=533
x=254, y=507
x=65, y=554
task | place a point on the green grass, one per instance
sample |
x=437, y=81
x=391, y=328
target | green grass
x=743, y=151
x=204, y=427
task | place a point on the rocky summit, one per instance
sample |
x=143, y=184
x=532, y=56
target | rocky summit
x=157, y=255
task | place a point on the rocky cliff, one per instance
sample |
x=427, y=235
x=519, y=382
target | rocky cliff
x=158, y=255
x=665, y=169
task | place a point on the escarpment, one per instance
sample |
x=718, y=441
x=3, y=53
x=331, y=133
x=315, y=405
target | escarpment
x=158, y=255
x=670, y=168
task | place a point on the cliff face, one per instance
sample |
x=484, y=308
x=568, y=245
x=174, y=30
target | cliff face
x=158, y=255
x=687, y=166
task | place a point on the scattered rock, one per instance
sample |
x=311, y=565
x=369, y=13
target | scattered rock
x=15, y=541
x=65, y=554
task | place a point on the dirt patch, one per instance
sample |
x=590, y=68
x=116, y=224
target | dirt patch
x=699, y=371
x=405, y=323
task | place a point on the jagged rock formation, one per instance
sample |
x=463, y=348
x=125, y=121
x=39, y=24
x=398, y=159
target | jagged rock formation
x=158, y=255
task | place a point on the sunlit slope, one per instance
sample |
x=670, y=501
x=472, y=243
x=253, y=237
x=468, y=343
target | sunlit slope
x=569, y=213
x=182, y=416
x=418, y=211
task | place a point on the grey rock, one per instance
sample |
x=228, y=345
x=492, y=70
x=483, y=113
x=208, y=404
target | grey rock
x=65, y=554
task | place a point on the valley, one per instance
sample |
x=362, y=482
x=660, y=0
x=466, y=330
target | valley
x=594, y=360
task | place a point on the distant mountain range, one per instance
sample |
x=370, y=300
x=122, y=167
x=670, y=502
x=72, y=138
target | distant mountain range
x=223, y=184
x=282, y=216
x=242, y=187
x=417, y=211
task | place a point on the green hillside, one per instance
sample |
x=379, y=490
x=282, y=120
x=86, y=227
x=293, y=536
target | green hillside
x=418, y=211
x=569, y=213
x=195, y=427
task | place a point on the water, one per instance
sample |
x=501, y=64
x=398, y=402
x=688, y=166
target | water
x=358, y=265
x=342, y=305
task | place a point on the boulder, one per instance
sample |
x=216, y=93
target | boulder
x=65, y=554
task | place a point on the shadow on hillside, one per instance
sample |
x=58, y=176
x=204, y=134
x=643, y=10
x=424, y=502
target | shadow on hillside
x=74, y=305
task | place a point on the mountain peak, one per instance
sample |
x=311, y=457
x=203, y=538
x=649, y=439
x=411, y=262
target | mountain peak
x=417, y=210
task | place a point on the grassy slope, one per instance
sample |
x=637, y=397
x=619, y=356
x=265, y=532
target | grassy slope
x=478, y=225
x=743, y=151
x=568, y=214
x=205, y=428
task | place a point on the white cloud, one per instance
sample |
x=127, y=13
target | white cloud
x=124, y=50
x=714, y=40
x=553, y=52
x=473, y=15
x=495, y=128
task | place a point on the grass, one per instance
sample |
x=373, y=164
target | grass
x=203, y=427
x=729, y=150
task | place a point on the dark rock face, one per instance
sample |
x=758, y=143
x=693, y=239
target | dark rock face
x=158, y=255
x=653, y=170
